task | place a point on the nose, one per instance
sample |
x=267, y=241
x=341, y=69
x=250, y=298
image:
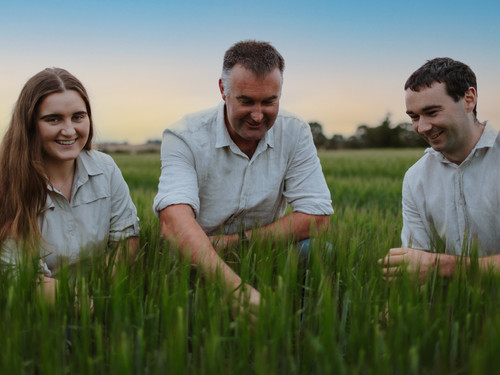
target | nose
x=257, y=114
x=68, y=128
x=423, y=125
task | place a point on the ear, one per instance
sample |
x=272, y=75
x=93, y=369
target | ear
x=221, y=88
x=470, y=99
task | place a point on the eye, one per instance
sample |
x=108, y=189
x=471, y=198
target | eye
x=51, y=120
x=79, y=116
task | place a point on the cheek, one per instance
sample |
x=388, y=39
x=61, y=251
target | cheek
x=239, y=113
x=85, y=129
x=45, y=133
x=272, y=113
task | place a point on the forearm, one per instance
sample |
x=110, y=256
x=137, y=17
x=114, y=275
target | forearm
x=48, y=287
x=126, y=250
x=295, y=226
x=491, y=262
x=422, y=262
x=181, y=229
x=447, y=264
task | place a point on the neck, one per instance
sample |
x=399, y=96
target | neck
x=246, y=146
x=61, y=175
x=473, y=137
x=60, y=170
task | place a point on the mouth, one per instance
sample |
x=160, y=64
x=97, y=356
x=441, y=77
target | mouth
x=66, y=143
x=435, y=135
x=254, y=125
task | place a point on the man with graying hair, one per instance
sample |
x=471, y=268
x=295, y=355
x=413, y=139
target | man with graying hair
x=229, y=172
x=451, y=196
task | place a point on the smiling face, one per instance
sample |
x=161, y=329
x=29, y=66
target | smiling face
x=448, y=126
x=63, y=125
x=252, y=105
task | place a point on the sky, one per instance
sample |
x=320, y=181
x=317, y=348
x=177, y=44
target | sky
x=146, y=64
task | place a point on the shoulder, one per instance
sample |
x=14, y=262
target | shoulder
x=96, y=162
x=423, y=165
x=496, y=145
x=196, y=131
x=195, y=122
x=291, y=120
x=98, y=156
x=291, y=126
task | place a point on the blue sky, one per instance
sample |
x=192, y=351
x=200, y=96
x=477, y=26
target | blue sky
x=147, y=63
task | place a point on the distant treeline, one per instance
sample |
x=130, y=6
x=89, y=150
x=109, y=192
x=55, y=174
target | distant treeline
x=386, y=135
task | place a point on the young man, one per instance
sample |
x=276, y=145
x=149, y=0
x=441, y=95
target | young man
x=451, y=196
x=229, y=172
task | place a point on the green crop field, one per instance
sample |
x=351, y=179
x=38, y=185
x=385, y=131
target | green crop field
x=336, y=315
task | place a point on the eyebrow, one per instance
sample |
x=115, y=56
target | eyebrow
x=244, y=97
x=59, y=115
x=425, y=109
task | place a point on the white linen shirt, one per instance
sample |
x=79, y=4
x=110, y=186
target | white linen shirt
x=455, y=205
x=100, y=210
x=228, y=191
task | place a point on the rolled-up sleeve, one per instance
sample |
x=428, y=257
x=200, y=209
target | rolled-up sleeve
x=305, y=186
x=178, y=179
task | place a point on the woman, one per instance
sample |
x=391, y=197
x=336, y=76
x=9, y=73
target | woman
x=59, y=199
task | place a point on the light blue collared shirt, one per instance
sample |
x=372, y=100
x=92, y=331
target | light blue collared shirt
x=100, y=210
x=455, y=205
x=204, y=168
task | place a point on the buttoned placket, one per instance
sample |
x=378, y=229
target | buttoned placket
x=69, y=231
x=463, y=221
x=460, y=204
x=246, y=187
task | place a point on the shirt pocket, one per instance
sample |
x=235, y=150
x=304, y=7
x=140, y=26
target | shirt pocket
x=94, y=189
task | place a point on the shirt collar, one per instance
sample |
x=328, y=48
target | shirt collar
x=86, y=167
x=488, y=137
x=223, y=139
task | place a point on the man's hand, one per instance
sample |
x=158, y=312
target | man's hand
x=246, y=300
x=417, y=262
x=179, y=225
x=224, y=241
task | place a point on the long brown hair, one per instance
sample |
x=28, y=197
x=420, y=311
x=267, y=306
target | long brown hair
x=23, y=181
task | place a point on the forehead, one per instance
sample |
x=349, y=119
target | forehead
x=246, y=82
x=434, y=95
x=68, y=100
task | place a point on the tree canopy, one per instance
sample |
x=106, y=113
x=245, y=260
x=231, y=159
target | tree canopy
x=385, y=135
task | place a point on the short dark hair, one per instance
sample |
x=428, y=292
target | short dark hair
x=456, y=76
x=258, y=57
